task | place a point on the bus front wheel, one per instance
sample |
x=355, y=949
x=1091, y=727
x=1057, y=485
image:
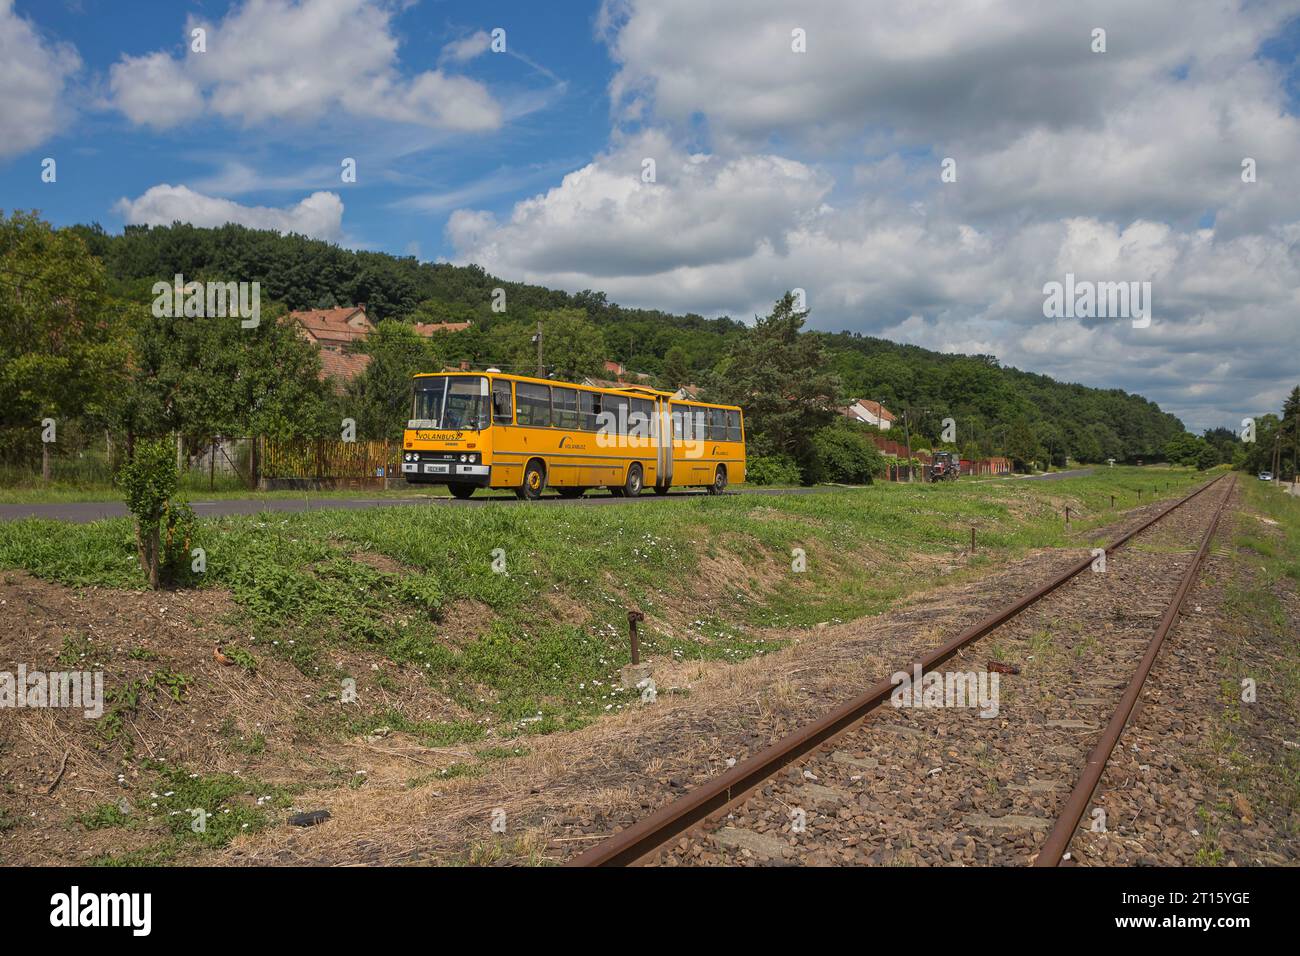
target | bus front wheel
x=632, y=487
x=534, y=482
x=719, y=481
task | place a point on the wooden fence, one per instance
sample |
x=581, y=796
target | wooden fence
x=326, y=463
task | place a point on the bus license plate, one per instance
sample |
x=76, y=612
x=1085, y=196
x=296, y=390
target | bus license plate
x=435, y=469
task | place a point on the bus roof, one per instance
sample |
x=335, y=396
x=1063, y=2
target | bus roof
x=631, y=390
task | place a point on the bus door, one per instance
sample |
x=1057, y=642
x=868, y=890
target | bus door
x=663, y=437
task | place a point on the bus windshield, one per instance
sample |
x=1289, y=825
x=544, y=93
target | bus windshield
x=457, y=402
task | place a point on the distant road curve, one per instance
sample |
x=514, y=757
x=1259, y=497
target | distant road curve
x=84, y=512
x=1057, y=475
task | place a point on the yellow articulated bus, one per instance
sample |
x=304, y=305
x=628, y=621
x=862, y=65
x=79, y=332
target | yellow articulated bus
x=491, y=430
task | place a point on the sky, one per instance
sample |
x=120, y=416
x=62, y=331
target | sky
x=922, y=170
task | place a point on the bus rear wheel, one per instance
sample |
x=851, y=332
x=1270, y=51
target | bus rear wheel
x=719, y=481
x=534, y=482
x=460, y=490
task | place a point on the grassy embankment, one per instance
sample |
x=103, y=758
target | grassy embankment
x=711, y=574
x=1261, y=596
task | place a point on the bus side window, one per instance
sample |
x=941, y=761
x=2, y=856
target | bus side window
x=676, y=416
x=534, y=404
x=717, y=424
x=566, y=407
x=639, y=418
x=616, y=406
x=588, y=408
x=699, y=422
x=733, y=426
x=502, y=405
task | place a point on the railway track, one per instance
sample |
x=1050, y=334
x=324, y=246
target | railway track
x=917, y=783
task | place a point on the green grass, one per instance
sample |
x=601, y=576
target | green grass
x=552, y=630
x=1278, y=544
x=231, y=805
x=1266, y=566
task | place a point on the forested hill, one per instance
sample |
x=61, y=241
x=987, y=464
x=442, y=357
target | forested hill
x=997, y=409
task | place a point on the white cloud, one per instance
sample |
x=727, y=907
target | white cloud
x=929, y=69
x=1103, y=165
x=606, y=222
x=154, y=90
x=33, y=75
x=277, y=60
x=320, y=215
x=466, y=49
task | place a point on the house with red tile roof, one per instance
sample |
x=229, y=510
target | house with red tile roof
x=342, y=367
x=865, y=410
x=335, y=332
x=333, y=328
x=622, y=376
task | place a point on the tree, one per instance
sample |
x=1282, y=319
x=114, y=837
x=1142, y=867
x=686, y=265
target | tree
x=781, y=379
x=62, y=348
x=1021, y=445
x=1289, y=430
x=209, y=377
x=1186, y=449
x=380, y=397
x=572, y=346
x=676, y=370
x=1259, y=453
x=1207, y=456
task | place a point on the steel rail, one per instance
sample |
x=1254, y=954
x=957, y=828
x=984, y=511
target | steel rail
x=1076, y=804
x=629, y=845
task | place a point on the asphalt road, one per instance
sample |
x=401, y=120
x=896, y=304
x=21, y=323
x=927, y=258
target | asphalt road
x=84, y=512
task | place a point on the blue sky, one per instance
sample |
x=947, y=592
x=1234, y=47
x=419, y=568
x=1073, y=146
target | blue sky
x=794, y=145
x=554, y=75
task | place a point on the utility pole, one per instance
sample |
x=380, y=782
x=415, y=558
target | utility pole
x=907, y=436
x=541, y=369
x=1295, y=452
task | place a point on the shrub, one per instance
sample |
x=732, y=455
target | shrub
x=842, y=452
x=163, y=527
x=772, y=470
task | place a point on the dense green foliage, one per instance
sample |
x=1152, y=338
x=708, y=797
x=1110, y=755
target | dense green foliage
x=842, y=453
x=1275, y=446
x=62, y=349
x=772, y=470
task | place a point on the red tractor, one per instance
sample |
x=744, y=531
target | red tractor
x=945, y=466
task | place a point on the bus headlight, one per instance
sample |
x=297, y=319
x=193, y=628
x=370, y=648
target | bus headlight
x=464, y=458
